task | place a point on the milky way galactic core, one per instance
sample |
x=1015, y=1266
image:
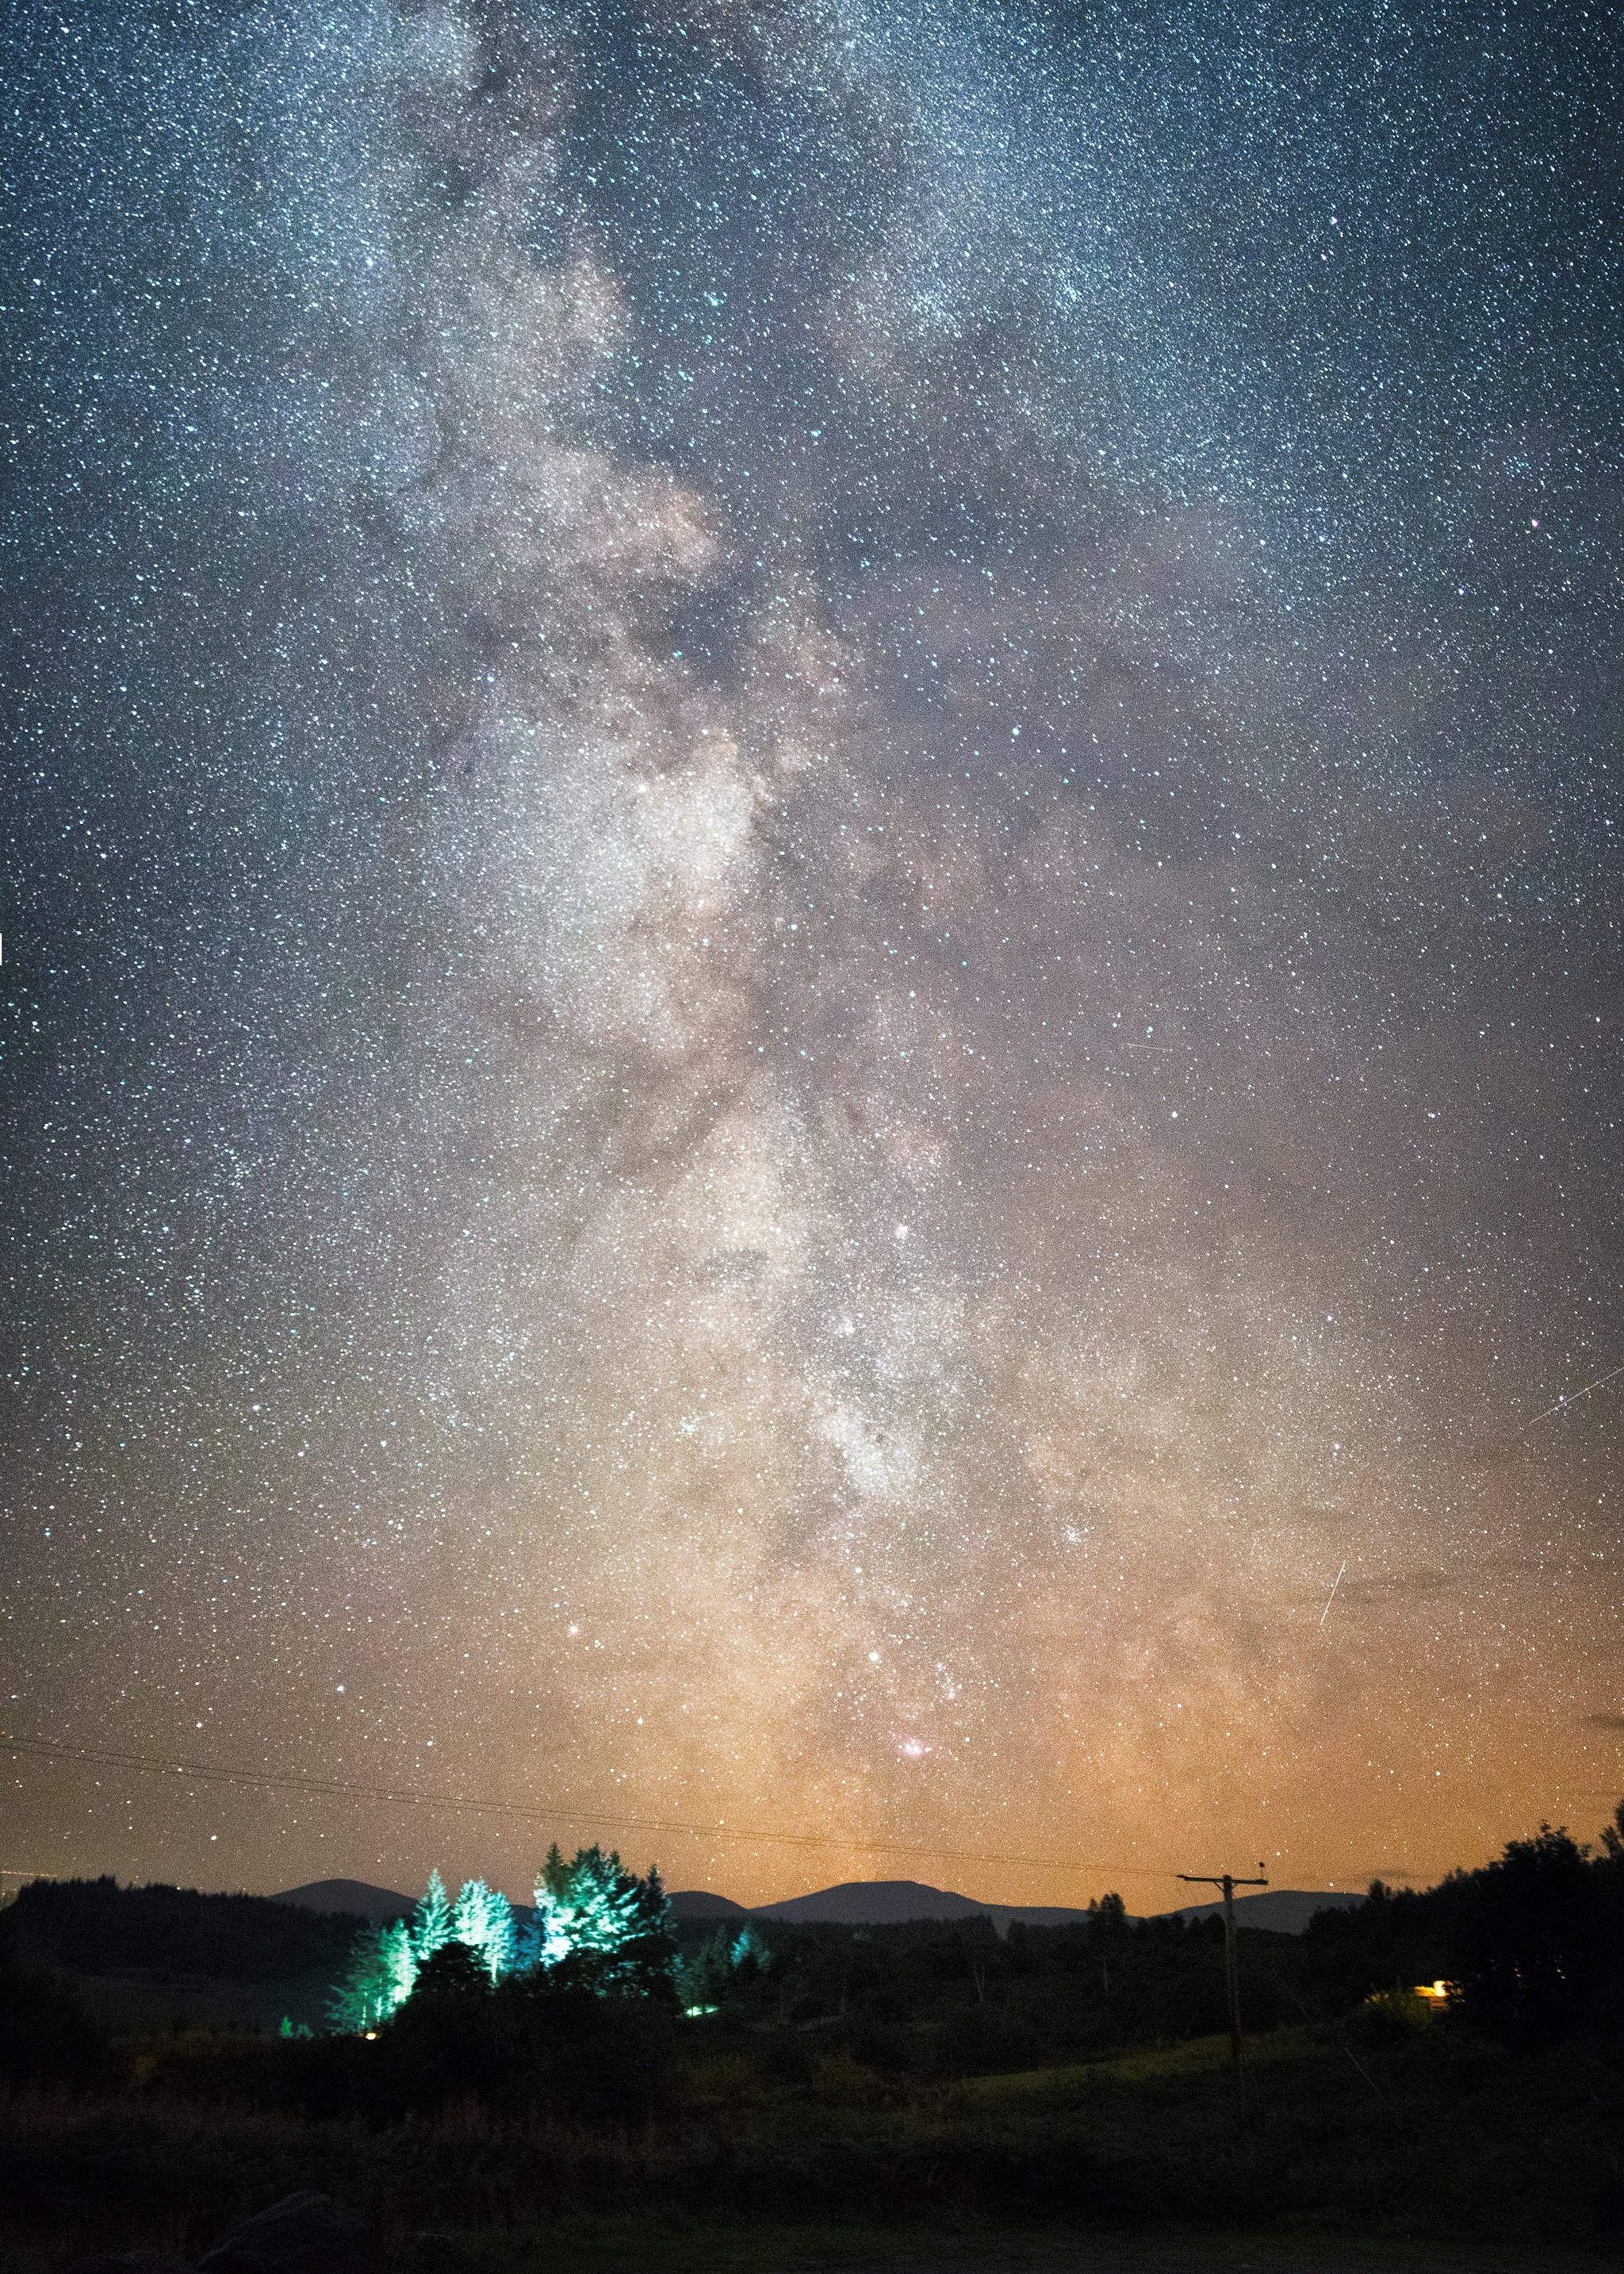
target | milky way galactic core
x=811, y=973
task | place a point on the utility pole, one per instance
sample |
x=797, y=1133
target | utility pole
x=1229, y=1883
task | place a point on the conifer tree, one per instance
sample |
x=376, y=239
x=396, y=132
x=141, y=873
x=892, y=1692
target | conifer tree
x=483, y=1918
x=598, y=1926
x=602, y=1927
x=549, y=1938
x=750, y=1954
x=653, y=1903
x=470, y=1914
x=430, y=1922
x=365, y=1997
x=400, y=1959
x=707, y=1977
x=502, y=1936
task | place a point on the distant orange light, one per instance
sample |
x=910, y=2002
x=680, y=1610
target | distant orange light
x=372, y=2036
x=1436, y=1990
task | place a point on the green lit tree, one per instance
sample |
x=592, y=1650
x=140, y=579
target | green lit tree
x=400, y=1957
x=750, y=1954
x=482, y=1917
x=600, y=1927
x=430, y=1922
x=723, y=1967
x=371, y=1989
x=549, y=1939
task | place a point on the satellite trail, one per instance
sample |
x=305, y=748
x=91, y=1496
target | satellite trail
x=1600, y=1383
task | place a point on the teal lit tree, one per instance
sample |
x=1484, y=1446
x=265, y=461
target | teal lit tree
x=721, y=1968
x=482, y=1919
x=430, y=1922
x=600, y=1927
x=360, y=2001
x=382, y=1972
x=750, y=1954
x=590, y=1905
x=550, y=1941
x=400, y=1957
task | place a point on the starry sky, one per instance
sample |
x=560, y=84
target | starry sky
x=811, y=980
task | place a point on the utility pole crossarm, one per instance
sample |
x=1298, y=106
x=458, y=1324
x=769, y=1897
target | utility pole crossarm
x=1228, y=1881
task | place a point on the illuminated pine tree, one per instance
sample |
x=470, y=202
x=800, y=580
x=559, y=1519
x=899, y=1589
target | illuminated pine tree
x=468, y=1912
x=482, y=1917
x=750, y=1954
x=381, y=1972
x=586, y=1909
x=401, y=1958
x=361, y=2000
x=548, y=1943
x=602, y=1902
x=597, y=1926
x=430, y=1922
x=501, y=1944
x=601, y=1927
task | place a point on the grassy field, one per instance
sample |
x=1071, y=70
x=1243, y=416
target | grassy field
x=1435, y=2150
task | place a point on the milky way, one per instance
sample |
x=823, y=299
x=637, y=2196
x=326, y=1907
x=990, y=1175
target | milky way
x=811, y=937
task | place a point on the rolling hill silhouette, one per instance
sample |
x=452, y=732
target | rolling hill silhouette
x=890, y=1902
x=860, y=1903
x=353, y=1897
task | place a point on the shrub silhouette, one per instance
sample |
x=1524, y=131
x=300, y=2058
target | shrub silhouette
x=47, y=2036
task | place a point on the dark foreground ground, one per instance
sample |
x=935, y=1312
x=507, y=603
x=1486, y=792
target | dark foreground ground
x=618, y=2247
x=1434, y=2152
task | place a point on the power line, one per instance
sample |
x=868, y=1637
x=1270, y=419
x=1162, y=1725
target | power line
x=329, y=1788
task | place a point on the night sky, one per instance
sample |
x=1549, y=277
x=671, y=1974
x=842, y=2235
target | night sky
x=812, y=938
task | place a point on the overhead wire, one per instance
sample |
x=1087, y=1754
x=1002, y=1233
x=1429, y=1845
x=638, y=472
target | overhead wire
x=552, y=1813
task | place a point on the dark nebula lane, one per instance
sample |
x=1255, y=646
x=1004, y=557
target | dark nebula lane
x=811, y=989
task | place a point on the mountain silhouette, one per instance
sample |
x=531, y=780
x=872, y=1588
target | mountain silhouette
x=353, y=1896
x=860, y=1903
x=699, y=1904
x=890, y=1902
